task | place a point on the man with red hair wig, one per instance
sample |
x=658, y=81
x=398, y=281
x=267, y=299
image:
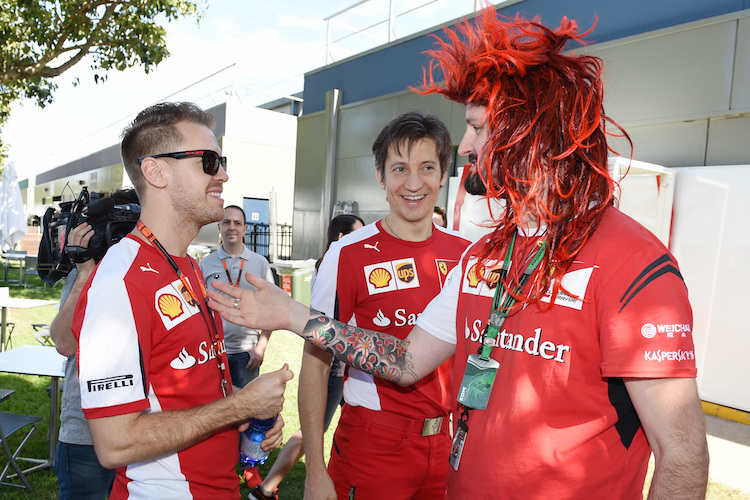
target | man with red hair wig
x=570, y=323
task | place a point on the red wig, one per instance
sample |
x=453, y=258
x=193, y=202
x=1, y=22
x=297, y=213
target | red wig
x=546, y=154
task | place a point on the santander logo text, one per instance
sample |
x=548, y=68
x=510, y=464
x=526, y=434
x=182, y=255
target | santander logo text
x=534, y=345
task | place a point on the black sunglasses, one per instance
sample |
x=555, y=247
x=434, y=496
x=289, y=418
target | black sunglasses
x=211, y=159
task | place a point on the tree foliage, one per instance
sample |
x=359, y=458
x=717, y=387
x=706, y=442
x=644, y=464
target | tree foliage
x=42, y=39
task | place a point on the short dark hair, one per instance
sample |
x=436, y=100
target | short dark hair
x=343, y=224
x=153, y=132
x=244, y=217
x=410, y=128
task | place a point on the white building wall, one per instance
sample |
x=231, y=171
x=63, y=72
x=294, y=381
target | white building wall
x=260, y=148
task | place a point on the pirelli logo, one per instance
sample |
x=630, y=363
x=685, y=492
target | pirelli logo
x=105, y=384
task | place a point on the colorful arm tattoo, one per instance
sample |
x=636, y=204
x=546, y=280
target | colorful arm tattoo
x=377, y=353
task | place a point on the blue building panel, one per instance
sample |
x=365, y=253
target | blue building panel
x=399, y=65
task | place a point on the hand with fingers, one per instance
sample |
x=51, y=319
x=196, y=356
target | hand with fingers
x=268, y=308
x=76, y=246
x=256, y=359
x=263, y=398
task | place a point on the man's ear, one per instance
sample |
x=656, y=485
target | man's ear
x=153, y=172
x=444, y=178
x=379, y=176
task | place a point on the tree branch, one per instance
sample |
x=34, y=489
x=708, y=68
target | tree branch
x=84, y=49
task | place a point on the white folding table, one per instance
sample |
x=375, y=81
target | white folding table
x=42, y=361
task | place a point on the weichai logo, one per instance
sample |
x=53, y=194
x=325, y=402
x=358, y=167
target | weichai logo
x=405, y=272
x=670, y=330
x=650, y=330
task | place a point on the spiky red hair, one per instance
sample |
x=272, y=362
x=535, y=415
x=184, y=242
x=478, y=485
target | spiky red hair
x=547, y=150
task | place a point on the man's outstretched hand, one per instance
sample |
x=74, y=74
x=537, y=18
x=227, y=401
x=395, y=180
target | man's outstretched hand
x=268, y=308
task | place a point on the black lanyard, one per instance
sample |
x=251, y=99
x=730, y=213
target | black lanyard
x=504, y=300
x=229, y=276
x=207, y=317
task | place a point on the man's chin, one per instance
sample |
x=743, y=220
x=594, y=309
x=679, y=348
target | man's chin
x=474, y=185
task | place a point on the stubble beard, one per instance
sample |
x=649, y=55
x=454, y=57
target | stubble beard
x=193, y=211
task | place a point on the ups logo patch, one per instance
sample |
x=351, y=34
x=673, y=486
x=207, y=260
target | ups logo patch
x=405, y=272
x=492, y=278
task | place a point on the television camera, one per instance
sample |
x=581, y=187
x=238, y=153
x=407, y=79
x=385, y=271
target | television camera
x=110, y=222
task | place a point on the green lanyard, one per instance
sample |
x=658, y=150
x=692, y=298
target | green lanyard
x=504, y=301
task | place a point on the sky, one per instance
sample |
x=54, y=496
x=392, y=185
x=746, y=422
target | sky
x=260, y=50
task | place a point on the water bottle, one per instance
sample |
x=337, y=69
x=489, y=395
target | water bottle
x=250, y=451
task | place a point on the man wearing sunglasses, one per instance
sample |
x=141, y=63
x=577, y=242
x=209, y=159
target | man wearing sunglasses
x=153, y=371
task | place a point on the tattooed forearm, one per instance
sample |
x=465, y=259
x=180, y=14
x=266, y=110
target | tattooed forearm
x=377, y=353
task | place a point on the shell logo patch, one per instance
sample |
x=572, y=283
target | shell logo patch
x=390, y=276
x=170, y=305
x=472, y=277
x=380, y=278
x=174, y=304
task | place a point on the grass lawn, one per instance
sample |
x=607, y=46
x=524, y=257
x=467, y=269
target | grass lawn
x=31, y=398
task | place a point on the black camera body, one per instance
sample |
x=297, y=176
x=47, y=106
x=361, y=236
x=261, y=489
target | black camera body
x=109, y=221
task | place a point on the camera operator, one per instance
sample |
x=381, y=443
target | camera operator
x=79, y=474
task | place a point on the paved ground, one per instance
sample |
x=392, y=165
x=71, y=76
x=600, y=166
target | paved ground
x=729, y=446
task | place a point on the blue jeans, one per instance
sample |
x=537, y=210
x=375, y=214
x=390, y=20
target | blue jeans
x=79, y=474
x=240, y=375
